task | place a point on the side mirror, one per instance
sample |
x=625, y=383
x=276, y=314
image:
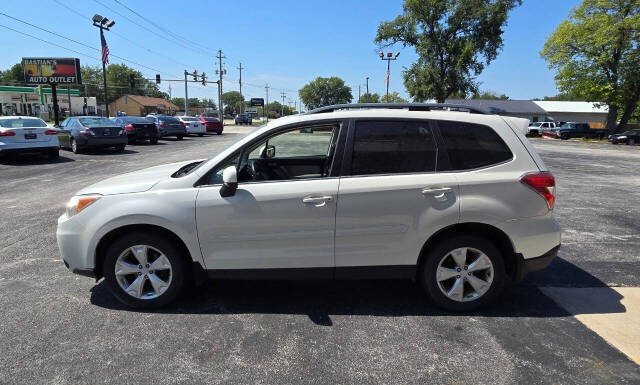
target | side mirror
x=268, y=152
x=229, y=182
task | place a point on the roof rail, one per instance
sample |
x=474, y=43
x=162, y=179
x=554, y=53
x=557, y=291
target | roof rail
x=401, y=106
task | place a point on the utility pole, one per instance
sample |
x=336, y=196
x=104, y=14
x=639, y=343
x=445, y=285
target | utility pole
x=284, y=95
x=388, y=58
x=186, y=94
x=220, y=72
x=264, y=109
x=240, y=82
x=170, y=91
x=358, y=93
x=367, y=78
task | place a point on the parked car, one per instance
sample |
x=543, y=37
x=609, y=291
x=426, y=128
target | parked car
x=630, y=137
x=168, y=126
x=459, y=202
x=229, y=116
x=80, y=133
x=138, y=128
x=537, y=128
x=212, y=124
x=26, y=134
x=574, y=130
x=193, y=125
x=243, y=119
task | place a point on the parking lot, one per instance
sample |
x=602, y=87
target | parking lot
x=56, y=327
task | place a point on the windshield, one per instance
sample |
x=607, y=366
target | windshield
x=20, y=122
x=97, y=122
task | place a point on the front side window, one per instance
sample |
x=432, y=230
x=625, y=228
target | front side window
x=393, y=147
x=472, y=145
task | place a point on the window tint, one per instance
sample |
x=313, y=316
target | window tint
x=390, y=147
x=472, y=145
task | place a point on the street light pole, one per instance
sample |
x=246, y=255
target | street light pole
x=104, y=24
x=388, y=58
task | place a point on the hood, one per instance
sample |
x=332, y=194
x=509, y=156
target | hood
x=132, y=182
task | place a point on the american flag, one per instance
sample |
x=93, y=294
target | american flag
x=105, y=49
x=386, y=78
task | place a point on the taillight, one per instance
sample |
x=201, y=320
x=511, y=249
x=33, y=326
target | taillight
x=86, y=132
x=185, y=124
x=543, y=183
x=164, y=124
x=50, y=132
x=129, y=127
x=7, y=133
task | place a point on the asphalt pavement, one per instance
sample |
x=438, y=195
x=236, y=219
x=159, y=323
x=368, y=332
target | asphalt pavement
x=56, y=327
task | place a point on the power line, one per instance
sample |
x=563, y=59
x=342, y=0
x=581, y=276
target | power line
x=82, y=44
x=174, y=35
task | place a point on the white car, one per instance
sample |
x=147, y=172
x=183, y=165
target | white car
x=460, y=202
x=193, y=125
x=26, y=134
x=536, y=128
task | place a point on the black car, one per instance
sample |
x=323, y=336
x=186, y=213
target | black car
x=630, y=137
x=80, y=133
x=168, y=126
x=243, y=119
x=138, y=128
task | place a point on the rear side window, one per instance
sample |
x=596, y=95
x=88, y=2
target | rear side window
x=472, y=145
x=393, y=147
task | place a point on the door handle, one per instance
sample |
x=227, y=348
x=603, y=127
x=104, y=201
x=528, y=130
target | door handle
x=436, y=191
x=318, y=201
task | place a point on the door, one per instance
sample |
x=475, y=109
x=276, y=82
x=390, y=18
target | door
x=63, y=133
x=391, y=199
x=282, y=215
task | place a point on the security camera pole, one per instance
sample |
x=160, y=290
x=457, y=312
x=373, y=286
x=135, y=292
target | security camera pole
x=104, y=24
x=388, y=58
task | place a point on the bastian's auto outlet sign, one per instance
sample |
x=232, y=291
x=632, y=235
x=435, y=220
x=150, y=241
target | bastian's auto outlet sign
x=52, y=71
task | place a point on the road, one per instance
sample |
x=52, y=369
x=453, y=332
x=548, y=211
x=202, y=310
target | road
x=59, y=328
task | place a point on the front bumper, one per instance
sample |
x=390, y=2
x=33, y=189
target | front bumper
x=73, y=246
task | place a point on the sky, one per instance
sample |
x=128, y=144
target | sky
x=284, y=44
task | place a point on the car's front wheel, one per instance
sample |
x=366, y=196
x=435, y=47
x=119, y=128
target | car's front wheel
x=463, y=273
x=74, y=146
x=144, y=270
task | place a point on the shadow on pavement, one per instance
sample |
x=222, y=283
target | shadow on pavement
x=321, y=299
x=32, y=159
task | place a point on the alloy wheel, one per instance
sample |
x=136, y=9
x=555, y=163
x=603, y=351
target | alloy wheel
x=143, y=272
x=464, y=274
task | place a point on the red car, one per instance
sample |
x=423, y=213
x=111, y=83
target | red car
x=212, y=124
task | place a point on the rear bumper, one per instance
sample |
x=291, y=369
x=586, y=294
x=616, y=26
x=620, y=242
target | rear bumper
x=172, y=132
x=86, y=142
x=213, y=128
x=142, y=135
x=525, y=266
x=28, y=150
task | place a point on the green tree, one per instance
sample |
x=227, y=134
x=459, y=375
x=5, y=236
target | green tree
x=231, y=100
x=369, y=98
x=13, y=75
x=393, y=97
x=454, y=39
x=596, y=53
x=324, y=92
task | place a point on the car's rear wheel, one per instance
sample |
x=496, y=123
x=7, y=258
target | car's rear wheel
x=463, y=273
x=179, y=137
x=219, y=132
x=74, y=146
x=153, y=141
x=143, y=270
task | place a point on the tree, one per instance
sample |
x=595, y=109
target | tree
x=596, y=55
x=369, y=98
x=231, y=100
x=118, y=83
x=324, y=92
x=454, y=40
x=15, y=74
x=393, y=97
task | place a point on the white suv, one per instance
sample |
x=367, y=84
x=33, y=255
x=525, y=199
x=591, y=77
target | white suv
x=459, y=201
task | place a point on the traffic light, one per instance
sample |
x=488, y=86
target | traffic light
x=195, y=75
x=157, y=78
x=132, y=80
x=204, y=79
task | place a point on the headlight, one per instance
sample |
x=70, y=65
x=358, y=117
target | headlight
x=79, y=203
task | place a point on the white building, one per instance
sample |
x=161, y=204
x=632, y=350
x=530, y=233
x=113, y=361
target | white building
x=582, y=112
x=34, y=101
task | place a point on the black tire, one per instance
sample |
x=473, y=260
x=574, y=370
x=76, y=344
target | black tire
x=153, y=141
x=74, y=147
x=120, y=148
x=429, y=266
x=564, y=136
x=178, y=267
x=201, y=135
x=179, y=137
x=219, y=132
x=53, y=154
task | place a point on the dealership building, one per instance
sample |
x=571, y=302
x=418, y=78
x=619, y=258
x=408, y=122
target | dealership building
x=38, y=101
